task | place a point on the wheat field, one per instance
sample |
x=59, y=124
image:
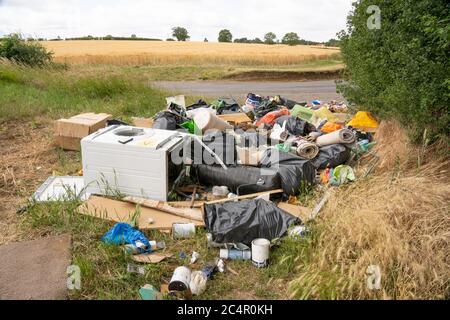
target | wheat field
x=185, y=53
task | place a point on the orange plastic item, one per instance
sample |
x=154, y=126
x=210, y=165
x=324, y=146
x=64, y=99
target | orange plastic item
x=272, y=116
x=331, y=127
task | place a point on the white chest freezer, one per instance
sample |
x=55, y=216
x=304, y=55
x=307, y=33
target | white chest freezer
x=128, y=161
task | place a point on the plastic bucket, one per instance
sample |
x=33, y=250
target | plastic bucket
x=180, y=279
x=204, y=120
x=260, y=252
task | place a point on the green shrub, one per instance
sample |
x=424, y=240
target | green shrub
x=16, y=49
x=402, y=69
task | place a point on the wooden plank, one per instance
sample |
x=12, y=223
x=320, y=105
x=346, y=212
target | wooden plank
x=239, y=117
x=295, y=210
x=120, y=211
x=247, y=196
x=189, y=213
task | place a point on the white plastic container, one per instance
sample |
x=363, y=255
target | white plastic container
x=204, y=120
x=180, y=280
x=260, y=252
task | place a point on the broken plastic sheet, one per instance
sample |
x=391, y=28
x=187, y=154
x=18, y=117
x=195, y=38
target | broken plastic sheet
x=244, y=221
x=331, y=156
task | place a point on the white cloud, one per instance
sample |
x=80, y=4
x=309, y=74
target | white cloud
x=317, y=20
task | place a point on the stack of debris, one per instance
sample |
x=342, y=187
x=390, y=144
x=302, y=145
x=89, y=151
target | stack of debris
x=233, y=169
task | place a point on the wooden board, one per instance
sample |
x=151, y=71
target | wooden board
x=150, y=258
x=295, y=210
x=120, y=211
x=239, y=117
x=247, y=196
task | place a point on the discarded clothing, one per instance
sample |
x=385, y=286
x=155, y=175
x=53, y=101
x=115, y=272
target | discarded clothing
x=225, y=105
x=331, y=156
x=265, y=107
x=123, y=233
x=244, y=221
x=270, y=117
x=331, y=127
x=341, y=136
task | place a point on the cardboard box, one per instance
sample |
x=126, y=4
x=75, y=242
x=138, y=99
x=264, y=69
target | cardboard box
x=143, y=122
x=69, y=132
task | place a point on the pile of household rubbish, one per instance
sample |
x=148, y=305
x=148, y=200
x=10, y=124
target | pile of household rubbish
x=242, y=170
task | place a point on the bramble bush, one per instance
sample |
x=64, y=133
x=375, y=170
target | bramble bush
x=402, y=69
x=30, y=53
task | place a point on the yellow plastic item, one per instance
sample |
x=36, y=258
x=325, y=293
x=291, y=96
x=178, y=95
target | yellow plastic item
x=331, y=127
x=363, y=120
x=323, y=114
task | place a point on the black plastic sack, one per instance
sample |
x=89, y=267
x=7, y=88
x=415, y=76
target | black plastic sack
x=199, y=104
x=294, y=172
x=226, y=106
x=296, y=126
x=222, y=144
x=244, y=221
x=265, y=107
x=331, y=156
x=239, y=179
x=166, y=120
x=277, y=170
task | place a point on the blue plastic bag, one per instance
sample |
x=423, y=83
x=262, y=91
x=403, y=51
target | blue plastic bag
x=123, y=233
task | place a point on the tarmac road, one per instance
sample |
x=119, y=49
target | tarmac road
x=324, y=90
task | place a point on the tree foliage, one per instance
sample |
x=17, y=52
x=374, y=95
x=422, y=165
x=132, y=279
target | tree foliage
x=291, y=38
x=180, y=33
x=400, y=70
x=269, y=38
x=225, y=36
x=31, y=53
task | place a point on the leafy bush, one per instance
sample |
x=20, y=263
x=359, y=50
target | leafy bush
x=402, y=69
x=16, y=49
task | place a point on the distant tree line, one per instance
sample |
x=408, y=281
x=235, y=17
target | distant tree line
x=225, y=35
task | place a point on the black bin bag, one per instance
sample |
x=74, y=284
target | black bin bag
x=331, y=156
x=243, y=178
x=244, y=221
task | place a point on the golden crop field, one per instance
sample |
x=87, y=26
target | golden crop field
x=184, y=53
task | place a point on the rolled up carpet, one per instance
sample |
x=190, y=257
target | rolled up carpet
x=340, y=136
x=306, y=149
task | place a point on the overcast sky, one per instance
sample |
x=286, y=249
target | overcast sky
x=317, y=20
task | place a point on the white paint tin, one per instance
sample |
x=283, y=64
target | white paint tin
x=180, y=279
x=260, y=252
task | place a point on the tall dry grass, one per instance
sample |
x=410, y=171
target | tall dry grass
x=397, y=219
x=185, y=53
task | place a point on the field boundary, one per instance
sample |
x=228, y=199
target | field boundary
x=277, y=75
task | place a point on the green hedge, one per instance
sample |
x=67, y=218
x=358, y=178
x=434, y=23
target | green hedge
x=30, y=53
x=402, y=69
